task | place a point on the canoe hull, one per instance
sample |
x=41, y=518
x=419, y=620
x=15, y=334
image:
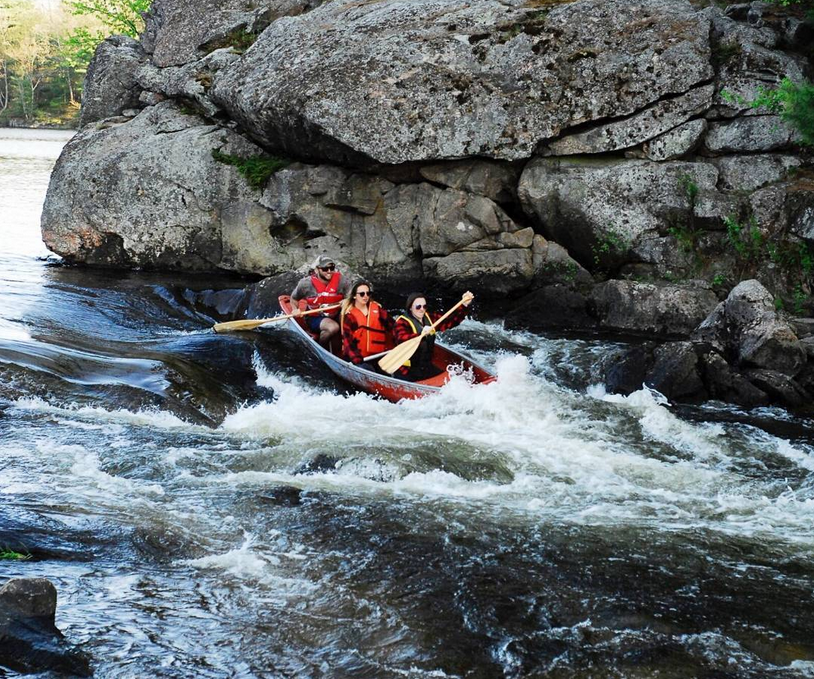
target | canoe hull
x=387, y=387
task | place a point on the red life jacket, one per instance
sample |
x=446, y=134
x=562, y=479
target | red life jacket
x=326, y=292
x=371, y=335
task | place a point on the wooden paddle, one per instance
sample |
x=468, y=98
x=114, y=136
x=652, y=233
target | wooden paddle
x=252, y=323
x=398, y=356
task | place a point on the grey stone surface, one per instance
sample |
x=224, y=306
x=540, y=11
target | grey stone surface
x=190, y=82
x=590, y=205
x=656, y=310
x=181, y=31
x=410, y=80
x=746, y=327
x=653, y=121
x=748, y=173
x=756, y=133
x=148, y=193
x=29, y=598
x=677, y=142
x=110, y=83
x=496, y=181
x=495, y=273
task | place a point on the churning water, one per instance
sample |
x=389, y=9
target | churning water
x=215, y=506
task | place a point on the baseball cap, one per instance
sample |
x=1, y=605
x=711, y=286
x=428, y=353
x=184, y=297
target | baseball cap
x=324, y=260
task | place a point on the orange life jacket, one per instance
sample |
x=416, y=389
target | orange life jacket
x=326, y=292
x=370, y=333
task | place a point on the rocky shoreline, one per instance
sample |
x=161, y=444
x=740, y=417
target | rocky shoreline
x=596, y=164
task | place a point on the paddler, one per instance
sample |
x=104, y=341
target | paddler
x=417, y=321
x=367, y=328
x=323, y=286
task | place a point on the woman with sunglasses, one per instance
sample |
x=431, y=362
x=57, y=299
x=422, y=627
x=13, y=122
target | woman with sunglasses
x=367, y=328
x=417, y=321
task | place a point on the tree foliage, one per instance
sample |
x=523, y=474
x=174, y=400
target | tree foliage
x=794, y=102
x=120, y=16
x=45, y=52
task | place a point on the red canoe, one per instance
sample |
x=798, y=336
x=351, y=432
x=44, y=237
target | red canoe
x=391, y=388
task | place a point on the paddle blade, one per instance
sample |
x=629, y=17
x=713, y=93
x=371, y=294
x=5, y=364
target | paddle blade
x=400, y=355
x=248, y=324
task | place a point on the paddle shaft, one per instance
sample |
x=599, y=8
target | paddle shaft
x=251, y=324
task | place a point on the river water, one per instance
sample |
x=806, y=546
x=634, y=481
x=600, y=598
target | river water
x=214, y=506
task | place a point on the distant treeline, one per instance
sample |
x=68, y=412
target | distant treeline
x=45, y=50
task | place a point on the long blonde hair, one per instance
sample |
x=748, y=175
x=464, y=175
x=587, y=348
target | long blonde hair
x=350, y=300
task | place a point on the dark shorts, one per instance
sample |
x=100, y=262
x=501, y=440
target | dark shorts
x=312, y=323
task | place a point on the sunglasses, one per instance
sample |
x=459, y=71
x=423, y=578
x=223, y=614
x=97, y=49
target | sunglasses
x=419, y=306
x=330, y=267
x=362, y=293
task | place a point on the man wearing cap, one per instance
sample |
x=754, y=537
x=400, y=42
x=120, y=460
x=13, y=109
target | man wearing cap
x=322, y=287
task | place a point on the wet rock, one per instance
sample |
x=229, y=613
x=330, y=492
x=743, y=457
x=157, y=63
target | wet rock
x=728, y=385
x=676, y=372
x=554, y=306
x=29, y=640
x=646, y=308
x=752, y=134
x=442, y=80
x=319, y=464
x=110, y=83
x=627, y=373
x=676, y=143
x=748, y=173
x=780, y=387
x=263, y=297
x=656, y=120
x=746, y=328
x=283, y=496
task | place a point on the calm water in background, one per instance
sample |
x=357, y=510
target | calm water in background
x=215, y=506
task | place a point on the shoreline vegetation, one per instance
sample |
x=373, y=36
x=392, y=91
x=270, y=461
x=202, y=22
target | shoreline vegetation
x=45, y=50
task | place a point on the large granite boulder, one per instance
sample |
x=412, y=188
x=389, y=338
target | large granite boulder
x=110, y=83
x=747, y=330
x=421, y=80
x=148, y=193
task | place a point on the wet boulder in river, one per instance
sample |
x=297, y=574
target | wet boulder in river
x=748, y=330
x=29, y=639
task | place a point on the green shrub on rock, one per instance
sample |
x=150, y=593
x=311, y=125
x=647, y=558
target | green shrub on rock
x=256, y=169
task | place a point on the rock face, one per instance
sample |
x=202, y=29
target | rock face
x=418, y=80
x=661, y=310
x=584, y=158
